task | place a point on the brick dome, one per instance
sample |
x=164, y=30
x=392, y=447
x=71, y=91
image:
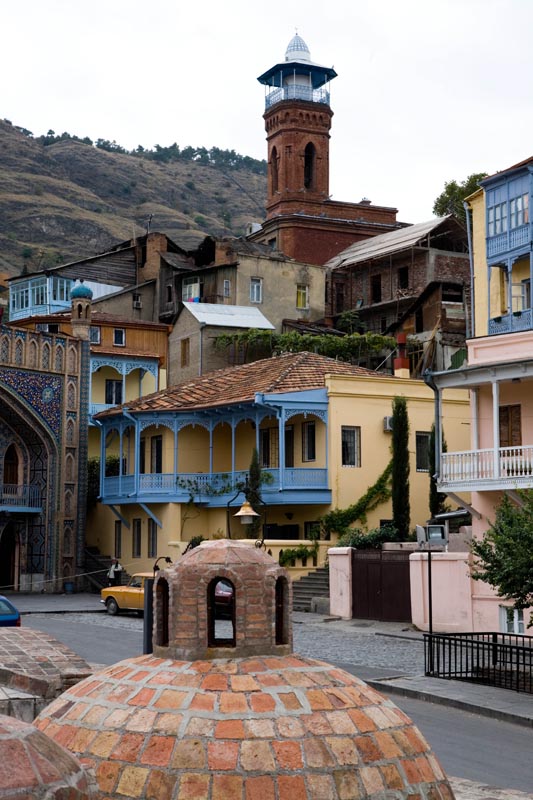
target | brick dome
x=34, y=766
x=264, y=726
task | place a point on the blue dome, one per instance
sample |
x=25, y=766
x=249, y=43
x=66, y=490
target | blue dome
x=81, y=291
x=297, y=50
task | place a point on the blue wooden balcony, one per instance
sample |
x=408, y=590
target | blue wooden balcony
x=294, y=485
x=508, y=241
x=508, y=323
x=20, y=499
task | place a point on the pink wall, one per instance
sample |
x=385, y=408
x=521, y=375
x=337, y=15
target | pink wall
x=452, y=605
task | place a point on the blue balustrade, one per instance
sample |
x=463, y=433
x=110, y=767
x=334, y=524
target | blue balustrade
x=508, y=323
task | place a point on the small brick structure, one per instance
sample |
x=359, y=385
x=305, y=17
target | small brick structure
x=33, y=767
x=241, y=719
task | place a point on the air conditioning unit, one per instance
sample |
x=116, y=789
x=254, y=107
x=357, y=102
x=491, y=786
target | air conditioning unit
x=387, y=424
x=137, y=304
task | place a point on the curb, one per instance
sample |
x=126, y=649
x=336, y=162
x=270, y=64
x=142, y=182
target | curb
x=463, y=705
x=63, y=611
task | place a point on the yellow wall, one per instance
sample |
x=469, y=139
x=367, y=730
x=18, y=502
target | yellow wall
x=364, y=402
x=477, y=205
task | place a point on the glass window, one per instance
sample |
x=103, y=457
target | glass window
x=152, y=539
x=351, y=446
x=256, y=290
x=519, y=211
x=302, y=296
x=308, y=441
x=511, y=620
x=227, y=287
x=118, y=538
x=136, y=539
x=94, y=334
x=269, y=447
x=185, y=352
x=39, y=293
x=497, y=219
x=119, y=337
x=422, y=451
x=113, y=392
x=190, y=289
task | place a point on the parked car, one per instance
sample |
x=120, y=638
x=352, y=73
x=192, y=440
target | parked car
x=9, y=615
x=131, y=596
x=126, y=598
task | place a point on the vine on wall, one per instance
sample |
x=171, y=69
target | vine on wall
x=339, y=520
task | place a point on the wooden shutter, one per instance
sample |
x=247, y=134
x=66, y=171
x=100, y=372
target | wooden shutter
x=510, y=426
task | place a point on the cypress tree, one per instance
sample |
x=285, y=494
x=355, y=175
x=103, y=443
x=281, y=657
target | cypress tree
x=401, y=509
x=254, y=495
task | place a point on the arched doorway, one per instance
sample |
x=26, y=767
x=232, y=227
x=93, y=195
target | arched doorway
x=9, y=558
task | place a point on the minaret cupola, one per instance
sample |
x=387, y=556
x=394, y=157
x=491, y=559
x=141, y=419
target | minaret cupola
x=297, y=120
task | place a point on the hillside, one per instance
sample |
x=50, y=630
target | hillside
x=69, y=199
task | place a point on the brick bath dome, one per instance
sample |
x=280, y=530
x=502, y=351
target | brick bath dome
x=33, y=766
x=242, y=719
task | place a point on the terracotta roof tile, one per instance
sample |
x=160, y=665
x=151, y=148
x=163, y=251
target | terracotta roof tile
x=291, y=372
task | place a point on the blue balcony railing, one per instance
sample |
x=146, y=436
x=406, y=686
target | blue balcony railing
x=207, y=487
x=510, y=240
x=508, y=323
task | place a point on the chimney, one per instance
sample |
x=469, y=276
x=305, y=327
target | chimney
x=401, y=362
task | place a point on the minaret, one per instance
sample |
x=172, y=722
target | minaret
x=81, y=297
x=297, y=120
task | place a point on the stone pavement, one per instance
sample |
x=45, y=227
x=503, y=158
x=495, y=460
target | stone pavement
x=346, y=640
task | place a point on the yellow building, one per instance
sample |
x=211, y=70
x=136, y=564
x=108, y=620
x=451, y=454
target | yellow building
x=321, y=428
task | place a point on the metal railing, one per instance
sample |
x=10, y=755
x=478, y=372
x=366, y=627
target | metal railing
x=297, y=92
x=14, y=496
x=503, y=660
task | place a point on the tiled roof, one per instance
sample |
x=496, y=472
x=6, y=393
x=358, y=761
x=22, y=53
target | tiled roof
x=291, y=372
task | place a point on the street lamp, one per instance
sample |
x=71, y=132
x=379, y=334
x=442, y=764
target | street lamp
x=246, y=513
x=156, y=566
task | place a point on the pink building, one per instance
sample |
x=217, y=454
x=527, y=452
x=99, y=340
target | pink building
x=499, y=375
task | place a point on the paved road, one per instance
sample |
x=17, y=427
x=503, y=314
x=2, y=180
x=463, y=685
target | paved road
x=470, y=747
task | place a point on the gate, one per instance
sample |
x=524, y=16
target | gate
x=381, y=587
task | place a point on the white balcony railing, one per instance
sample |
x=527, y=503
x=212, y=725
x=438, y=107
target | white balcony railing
x=512, y=466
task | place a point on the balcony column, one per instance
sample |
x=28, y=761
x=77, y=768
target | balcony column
x=474, y=412
x=123, y=383
x=233, y=423
x=211, y=448
x=496, y=427
x=488, y=294
x=176, y=430
x=281, y=437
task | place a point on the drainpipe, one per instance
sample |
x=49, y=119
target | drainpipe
x=428, y=380
x=472, y=332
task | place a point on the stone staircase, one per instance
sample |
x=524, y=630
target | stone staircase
x=96, y=569
x=315, y=584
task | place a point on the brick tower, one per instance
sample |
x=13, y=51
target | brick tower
x=302, y=221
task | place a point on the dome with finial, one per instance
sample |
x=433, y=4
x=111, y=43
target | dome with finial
x=81, y=292
x=297, y=50
x=224, y=709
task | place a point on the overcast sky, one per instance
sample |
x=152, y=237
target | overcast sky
x=427, y=90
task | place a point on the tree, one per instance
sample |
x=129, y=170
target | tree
x=401, y=509
x=450, y=200
x=254, y=495
x=437, y=500
x=504, y=557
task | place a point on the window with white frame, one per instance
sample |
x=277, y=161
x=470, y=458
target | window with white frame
x=497, y=219
x=136, y=538
x=226, y=287
x=20, y=297
x=119, y=337
x=39, y=293
x=61, y=288
x=302, y=296
x=113, y=392
x=519, y=211
x=422, y=451
x=152, y=538
x=190, y=289
x=511, y=620
x=351, y=445
x=256, y=290
x=94, y=334
x=308, y=441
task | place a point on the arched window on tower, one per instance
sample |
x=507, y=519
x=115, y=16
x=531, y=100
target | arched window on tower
x=274, y=169
x=282, y=612
x=220, y=613
x=309, y=166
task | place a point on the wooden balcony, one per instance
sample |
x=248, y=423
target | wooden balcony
x=20, y=499
x=292, y=484
x=487, y=470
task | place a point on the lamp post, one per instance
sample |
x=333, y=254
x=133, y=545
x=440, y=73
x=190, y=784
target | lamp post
x=246, y=513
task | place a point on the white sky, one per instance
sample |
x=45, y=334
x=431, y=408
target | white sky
x=427, y=90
